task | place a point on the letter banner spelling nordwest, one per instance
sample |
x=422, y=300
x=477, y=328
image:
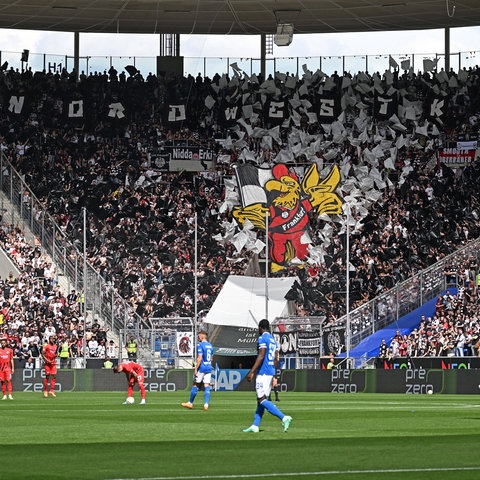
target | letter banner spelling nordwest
x=185, y=344
x=333, y=340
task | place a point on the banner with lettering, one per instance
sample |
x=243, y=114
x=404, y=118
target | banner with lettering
x=457, y=156
x=191, y=153
x=309, y=343
x=233, y=341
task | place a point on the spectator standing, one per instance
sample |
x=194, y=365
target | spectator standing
x=131, y=347
x=382, y=354
x=330, y=365
x=107, y=363
x=101, y=335
x=93, y=347
x=33, y=349
x=101, y=350
x=111, y=350
x=460, y=343
x=49, y=330
x=72, y=298
x=30, y=363
x=65, y=353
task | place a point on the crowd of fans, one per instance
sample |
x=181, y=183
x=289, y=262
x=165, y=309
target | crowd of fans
x=141, y=219
x=453, y=331
x=34, y=307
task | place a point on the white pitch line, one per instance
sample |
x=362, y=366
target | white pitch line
x=308, y=474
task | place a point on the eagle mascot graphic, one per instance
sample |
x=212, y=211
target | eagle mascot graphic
x=288, y=203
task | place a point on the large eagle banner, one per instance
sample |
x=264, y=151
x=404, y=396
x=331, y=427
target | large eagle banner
x=277, y=198
x=362, y=124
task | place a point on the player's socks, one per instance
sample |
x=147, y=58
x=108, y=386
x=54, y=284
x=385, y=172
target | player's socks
x=207, y=394
x=270, y=407
x=193, y=393
x=257, y=418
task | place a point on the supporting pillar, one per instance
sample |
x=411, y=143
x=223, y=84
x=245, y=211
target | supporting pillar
x=76, y=54
x=447, y=49
x=263, y=55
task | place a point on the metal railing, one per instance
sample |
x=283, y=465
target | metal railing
x=209, y=66
x=409, y=294
x=21, y=208
x=170, y=343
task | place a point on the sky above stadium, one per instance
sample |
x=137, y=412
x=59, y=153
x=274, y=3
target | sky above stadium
x=406, y=42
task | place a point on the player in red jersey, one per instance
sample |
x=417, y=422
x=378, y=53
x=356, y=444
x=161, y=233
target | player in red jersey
x=6, y=369
x=135, y=374
x=49, y=355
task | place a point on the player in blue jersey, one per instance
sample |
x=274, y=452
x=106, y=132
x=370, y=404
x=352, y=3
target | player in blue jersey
x=203, y=371
x=265, y=365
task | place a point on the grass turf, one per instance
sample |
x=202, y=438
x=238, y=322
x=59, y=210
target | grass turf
x=352, y=436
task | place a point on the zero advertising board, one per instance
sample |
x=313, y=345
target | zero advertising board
x=408, y=381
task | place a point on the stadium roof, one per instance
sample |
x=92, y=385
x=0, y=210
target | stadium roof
x=248, y=17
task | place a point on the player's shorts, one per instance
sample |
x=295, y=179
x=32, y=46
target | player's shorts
x=202, y=377
x=51, y=369
x=5, y=375
x=263, y=385
x=140, y=377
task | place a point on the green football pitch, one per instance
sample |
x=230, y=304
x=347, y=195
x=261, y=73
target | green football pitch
x=332, y=436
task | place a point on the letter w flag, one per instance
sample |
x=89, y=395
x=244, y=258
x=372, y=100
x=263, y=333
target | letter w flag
x=229, y=113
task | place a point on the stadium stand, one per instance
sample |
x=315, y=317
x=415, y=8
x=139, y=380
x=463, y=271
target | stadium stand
x=140, y=217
